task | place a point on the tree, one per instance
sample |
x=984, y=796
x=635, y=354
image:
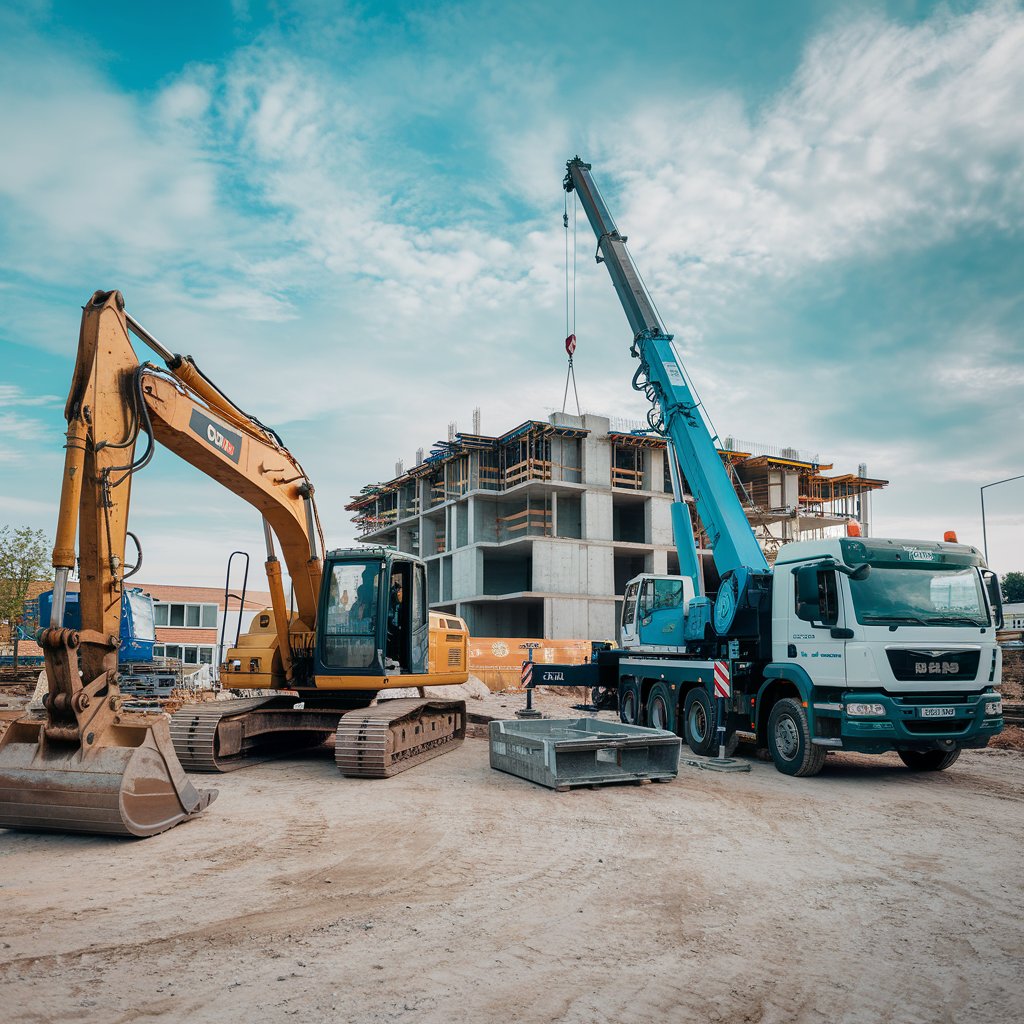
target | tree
x=24, y=559
x=1013, y=587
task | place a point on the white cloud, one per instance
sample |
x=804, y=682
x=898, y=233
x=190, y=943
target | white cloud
x=11, y=394
x=274, y=216
x=888, y=138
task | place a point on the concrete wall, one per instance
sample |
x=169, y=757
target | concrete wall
x=560, y=567
x=597, y=452
x=588, y=618
x=659, y=522
x=597, y=515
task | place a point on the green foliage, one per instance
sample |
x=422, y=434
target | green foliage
x=24, y=558
x=1013, y=587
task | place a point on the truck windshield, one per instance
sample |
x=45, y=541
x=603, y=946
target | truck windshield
x=927, y=596
x=350, y=622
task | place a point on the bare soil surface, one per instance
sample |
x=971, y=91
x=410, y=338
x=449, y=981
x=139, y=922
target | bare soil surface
x=453, y=892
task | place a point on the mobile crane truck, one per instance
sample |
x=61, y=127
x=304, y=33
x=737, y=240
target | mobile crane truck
x=90, y=766
x=854, y=643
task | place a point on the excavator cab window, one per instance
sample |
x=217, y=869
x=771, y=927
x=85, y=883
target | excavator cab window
x=407, y=630
x=351, y=616
x=398, y=613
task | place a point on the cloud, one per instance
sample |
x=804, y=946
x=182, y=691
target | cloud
x=888, y=138
x=363, y=242
x=12, y=394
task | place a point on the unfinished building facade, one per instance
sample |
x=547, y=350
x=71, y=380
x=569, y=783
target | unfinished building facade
x=535, y=533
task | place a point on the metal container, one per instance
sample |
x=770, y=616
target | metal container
x=560, y=753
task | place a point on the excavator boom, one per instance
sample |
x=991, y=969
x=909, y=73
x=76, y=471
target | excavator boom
x=88, y=766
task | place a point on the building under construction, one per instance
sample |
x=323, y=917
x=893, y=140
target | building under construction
x=536, y=532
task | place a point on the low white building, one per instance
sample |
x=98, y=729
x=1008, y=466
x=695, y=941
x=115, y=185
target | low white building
x=191, y=622
x=1013, y=615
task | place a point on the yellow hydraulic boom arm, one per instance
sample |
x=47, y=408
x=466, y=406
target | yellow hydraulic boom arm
x=89, y=766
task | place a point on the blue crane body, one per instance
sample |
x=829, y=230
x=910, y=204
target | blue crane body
x=850, y=643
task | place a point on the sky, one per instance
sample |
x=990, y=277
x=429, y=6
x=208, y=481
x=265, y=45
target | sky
x=350, y=215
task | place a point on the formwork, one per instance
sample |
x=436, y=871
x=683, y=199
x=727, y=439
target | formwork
x=561, y=753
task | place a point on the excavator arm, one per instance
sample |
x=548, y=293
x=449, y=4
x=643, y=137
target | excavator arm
x=89, y=766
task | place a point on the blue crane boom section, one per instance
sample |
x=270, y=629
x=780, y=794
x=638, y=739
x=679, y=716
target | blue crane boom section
x=660, y=375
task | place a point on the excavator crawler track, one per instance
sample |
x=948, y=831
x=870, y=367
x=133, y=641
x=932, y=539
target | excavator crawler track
x=224, y=736
x=381, y=741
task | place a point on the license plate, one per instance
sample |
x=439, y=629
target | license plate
x=938, y=712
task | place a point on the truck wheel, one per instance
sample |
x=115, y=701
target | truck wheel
x=699, y=723
x=928, y=760
x=662, y=707
x=629, y=702
x=789, y=740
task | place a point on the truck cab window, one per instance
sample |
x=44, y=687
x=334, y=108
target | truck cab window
x=828, y=598
x=629, y=608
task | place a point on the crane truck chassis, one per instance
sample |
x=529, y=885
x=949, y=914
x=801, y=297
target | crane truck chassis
x=853, y=643
x=360, y=622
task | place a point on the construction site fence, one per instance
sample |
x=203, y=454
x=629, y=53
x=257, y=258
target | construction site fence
x=497, y=661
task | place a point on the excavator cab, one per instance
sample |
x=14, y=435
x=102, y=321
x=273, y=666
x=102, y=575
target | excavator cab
x=373, y=610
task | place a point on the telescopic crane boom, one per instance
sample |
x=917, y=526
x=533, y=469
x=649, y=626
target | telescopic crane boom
x=676, y=414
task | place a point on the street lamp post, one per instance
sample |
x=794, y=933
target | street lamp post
x=995, y=483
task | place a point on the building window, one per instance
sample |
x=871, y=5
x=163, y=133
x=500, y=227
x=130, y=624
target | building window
x=188, y=616
x=628, y=467
x=188, y=654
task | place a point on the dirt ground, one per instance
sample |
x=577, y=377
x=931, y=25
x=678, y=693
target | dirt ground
x=454, y=892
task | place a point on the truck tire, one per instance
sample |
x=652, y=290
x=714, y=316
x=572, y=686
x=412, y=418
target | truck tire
x=662, y=708
x=699, y=723
x=928, y=760
x=789, y=740
x=629, y=702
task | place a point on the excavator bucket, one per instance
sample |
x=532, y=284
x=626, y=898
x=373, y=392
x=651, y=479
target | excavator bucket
x=132, y=785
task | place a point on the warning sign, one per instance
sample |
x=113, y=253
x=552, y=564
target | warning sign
x=526, y=676
x=723, y=682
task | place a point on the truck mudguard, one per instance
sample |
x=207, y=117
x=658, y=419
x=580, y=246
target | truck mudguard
x=794, y=674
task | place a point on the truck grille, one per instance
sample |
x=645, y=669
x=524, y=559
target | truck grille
x=933, y=665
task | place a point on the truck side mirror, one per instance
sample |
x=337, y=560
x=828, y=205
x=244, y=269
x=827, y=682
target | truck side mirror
x=995, y=596
x=807, y=606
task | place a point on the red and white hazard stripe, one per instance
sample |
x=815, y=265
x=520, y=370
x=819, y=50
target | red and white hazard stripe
x=723, y=682
x=526, y=676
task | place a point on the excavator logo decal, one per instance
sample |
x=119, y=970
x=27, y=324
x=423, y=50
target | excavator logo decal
x=225, y=441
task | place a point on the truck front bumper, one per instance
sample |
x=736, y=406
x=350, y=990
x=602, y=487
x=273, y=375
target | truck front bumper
x=911, y=721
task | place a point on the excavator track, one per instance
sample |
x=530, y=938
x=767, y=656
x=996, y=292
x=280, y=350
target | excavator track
x=224, y=736
x=381, y=741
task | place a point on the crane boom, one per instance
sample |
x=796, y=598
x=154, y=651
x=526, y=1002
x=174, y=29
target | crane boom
x=676, y=412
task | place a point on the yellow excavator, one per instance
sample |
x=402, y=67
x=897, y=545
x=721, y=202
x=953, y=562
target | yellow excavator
x=359, y=624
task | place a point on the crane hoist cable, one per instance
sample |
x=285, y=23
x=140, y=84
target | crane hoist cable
x=570, y=325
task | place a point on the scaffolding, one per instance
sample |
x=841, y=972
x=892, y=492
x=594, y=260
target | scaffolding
x=786, y=493
x=533, y=451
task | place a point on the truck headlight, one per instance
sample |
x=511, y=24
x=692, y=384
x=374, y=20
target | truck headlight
x=994, y=708
x=865, y=710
